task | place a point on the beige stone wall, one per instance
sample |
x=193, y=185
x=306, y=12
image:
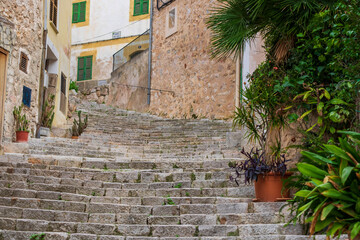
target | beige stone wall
x=122, y=90
x=25, y=36
x=182, y=63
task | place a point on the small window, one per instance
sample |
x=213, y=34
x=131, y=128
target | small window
x=84, y=68
x=141, y=7
x=172, y=18
x=53, y=11
x=171, y=22
x=63, y=94
x=23, y=62
x=79, y=12
x=26, y=96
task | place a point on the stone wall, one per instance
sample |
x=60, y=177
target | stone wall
x=181, y=63
x=24, y=36
x=128, y=84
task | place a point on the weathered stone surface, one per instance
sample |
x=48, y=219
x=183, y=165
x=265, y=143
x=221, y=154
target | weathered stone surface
x=176, y=231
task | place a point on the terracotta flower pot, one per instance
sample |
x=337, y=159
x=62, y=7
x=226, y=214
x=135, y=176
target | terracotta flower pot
x=22, y=136
x=74, y=137
x=268, y=188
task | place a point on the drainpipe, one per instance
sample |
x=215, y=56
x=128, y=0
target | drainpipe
x=42, y=71
x=150, y=54
x=238, y=81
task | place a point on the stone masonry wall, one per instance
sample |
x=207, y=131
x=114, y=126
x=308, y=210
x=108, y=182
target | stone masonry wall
x=182, y=64
x=24, y=36
x=128, y=84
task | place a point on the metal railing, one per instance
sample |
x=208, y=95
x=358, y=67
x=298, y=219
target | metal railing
x=139, y=44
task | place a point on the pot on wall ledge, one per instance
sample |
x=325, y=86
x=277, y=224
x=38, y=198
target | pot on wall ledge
x=268, y=187
x=22, y=136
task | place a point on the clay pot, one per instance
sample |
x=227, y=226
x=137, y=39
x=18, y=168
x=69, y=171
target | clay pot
x=22, y=136
x=74, y=137
x=268, y=188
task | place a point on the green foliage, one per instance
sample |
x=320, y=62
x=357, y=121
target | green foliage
x=48, y=112
x=38, y=236
x=22, y=124
x=179, y=185
x=233, y=22
x=74, y=86
x=328, y=193
x=79, y=126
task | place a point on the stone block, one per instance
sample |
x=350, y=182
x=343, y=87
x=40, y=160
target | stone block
x=173, y=231
x=217, y=230
x=138, y=230
x=102, y=218
x=197, y=209
x=166, y=210
x=93, y=228
x=198, y=219
x=235, y=208
x=139, y=219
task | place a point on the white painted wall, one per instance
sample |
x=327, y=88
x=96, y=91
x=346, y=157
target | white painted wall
x=107, y=16
x=102, y=65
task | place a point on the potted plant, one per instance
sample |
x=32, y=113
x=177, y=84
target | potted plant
x=47, y=116
x=22, y=125
x=79, y=126
x=267, y=176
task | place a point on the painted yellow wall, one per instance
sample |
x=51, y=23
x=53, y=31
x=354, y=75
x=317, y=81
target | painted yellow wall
x=61, y=38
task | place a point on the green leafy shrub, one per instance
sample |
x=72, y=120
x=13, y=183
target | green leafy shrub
x=48, y=112
x=22, y=124
x=74, y=86
x=329, y=193
x=79, y=126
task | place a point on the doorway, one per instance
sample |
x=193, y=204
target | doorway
x=3, y=64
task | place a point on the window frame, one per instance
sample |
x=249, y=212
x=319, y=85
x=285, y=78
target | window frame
x=54, y=5
x=79, y=20
x=141, y=3
x=23, y=57
x=84, y=68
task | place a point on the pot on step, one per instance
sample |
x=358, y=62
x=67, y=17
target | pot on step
x=74, y=137
x=268, y=187
x=22, y=136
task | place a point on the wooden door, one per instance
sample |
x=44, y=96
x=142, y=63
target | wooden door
x=3, y=64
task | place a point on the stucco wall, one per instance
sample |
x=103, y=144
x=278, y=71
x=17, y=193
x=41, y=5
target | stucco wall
x=182, y=63
x=128, y=84
x=25, y=36
x=102, y=53
x=60, y=39
x=105, y=17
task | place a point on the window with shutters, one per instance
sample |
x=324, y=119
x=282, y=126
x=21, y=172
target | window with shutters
x=53, y=11
x=84, y=68
x=141, y=7
x=23, y=62
x=79, y=12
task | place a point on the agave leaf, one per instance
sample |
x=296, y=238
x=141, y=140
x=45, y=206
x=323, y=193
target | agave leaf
x=332, y=193
x=355, y=230
x=337, y=151
x=303, y=193
x=335, y=227
x=345, y=174
x=326, y=211
x=311, y=171
x=314, y=156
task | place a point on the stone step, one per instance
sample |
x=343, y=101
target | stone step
x=149, y=230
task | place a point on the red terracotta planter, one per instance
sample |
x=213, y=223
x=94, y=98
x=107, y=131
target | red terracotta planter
x=268, y=188
x=74, y=137
x=22, y=136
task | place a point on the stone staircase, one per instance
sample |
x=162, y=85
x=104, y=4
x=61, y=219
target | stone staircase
x=133, y=176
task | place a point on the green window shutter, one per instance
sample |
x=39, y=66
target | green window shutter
x=81, y=64
x=75, y=16
x=82, y=12
x=145, y=7
x=88, y=68
x=137, y=7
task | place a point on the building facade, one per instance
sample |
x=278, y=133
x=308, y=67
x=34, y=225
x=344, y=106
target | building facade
x=57, y=24
x=193, y=84
x=99, y=30
x=21, y=34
